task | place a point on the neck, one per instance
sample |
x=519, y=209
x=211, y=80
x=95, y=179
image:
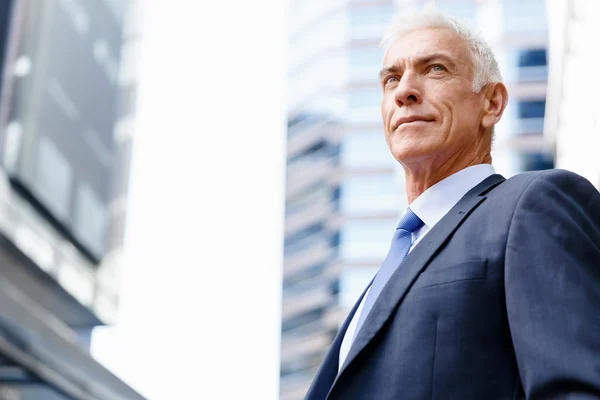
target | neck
x=422, y=176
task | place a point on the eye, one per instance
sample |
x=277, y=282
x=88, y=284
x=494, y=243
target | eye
x=390, y=80
x=438, y=68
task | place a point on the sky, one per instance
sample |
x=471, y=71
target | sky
x=200, y=306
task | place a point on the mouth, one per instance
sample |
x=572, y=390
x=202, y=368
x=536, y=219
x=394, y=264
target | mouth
x=412, y=120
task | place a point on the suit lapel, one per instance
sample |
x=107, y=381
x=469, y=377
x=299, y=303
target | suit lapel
x=416, y=261
x=329, y=368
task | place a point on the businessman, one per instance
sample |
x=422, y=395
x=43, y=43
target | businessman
x=491, y=287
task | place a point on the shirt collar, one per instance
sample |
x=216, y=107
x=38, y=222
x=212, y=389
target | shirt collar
x=436, y=201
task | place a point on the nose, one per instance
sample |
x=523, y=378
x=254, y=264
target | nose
x=408, y=90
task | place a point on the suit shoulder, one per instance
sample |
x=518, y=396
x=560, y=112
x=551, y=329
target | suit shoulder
x=558, y=188
x=559, y=178
x=551, y=188
x=517, y=184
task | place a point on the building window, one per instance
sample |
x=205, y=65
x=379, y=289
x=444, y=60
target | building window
x=318, y=195
x=532, y=58
x=532, y=65
x=530, y=117
x=290, y=284
x=319, y=147
x=305, y=242
x=536, y=161
x=305, y=233
x=531, y=109
x=297, y=366
x=303, y=319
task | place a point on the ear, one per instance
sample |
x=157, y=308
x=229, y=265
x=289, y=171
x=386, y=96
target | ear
x=496, y=98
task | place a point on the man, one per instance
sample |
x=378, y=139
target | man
x=491, y=288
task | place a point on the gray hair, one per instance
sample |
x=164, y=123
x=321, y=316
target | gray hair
x=485, y=66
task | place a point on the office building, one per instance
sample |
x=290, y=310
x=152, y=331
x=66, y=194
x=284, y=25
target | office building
x=66, y=106
x=334, y=61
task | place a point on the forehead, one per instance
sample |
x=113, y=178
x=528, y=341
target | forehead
x=422, y=42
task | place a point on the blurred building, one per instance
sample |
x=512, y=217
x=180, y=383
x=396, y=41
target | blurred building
x=573, y=122
x=66, y=107
x=310, y=278
x=356, y=194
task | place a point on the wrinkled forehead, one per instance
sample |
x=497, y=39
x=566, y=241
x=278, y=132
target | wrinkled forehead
x=422, y=42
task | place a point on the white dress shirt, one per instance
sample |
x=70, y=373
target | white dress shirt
x=430, y=207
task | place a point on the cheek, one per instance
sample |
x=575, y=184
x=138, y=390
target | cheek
x=387, y=111
x=448, y=113
x=446, y=108
x=465, y=115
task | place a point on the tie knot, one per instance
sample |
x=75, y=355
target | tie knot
x=410, y=222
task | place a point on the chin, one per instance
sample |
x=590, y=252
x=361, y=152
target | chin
x=413, y=145
x=411, y=154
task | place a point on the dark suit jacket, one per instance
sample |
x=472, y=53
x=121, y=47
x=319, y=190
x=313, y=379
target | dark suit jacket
x=501, y=300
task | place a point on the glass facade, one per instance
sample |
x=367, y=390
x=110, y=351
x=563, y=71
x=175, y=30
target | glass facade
x=527, y=65
x=67, y=101
x=64, y=150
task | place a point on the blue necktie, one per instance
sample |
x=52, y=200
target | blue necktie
x=398, y=251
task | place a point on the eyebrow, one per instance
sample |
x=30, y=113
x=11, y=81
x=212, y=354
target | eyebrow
x=420, y=61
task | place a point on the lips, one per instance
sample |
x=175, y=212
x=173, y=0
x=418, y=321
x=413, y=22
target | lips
x=413, y=118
